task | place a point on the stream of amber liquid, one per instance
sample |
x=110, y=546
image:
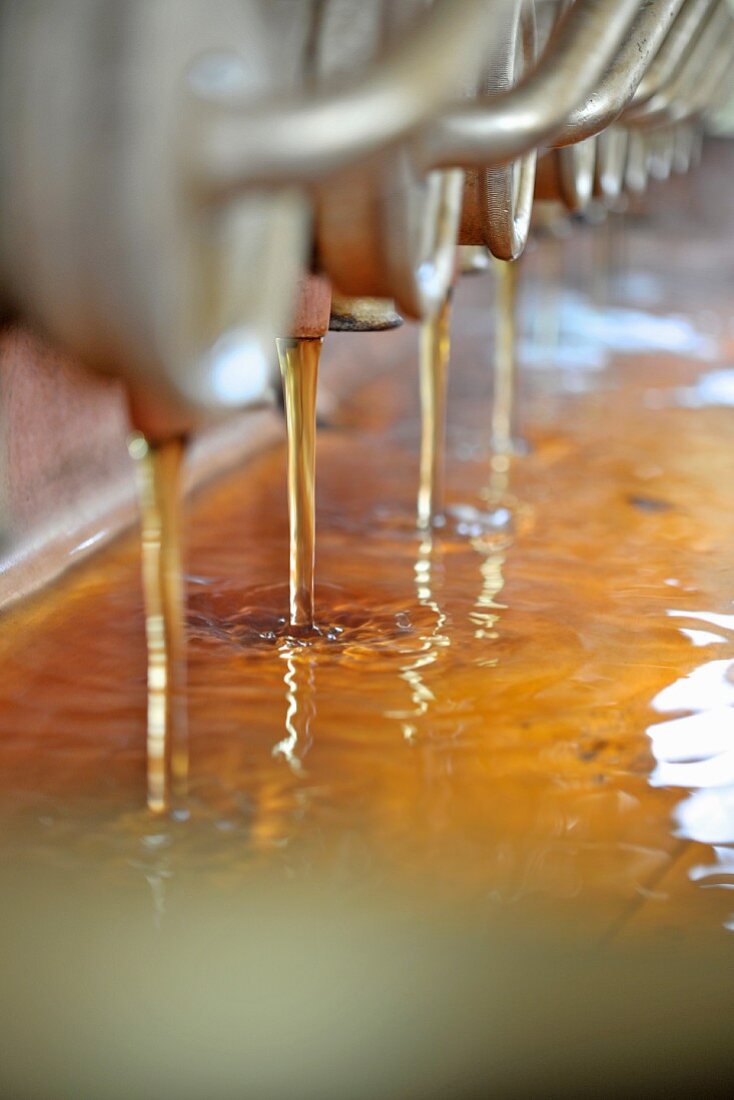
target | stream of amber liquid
x=435, y=347
x=504, y=366
x=159, y=488
x=299, y=365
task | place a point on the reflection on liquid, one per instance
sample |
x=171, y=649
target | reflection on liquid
x=432, y=644
x=492, y=548
x=300, y=685
x=159, y=469
x=486, y=612
x=583, y=337
x=489, y=522
x=702, y=637
x=714, y=388
x=696, y=751
x=156, y=870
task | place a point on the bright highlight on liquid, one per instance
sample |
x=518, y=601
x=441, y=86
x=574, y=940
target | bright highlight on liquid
x=299, y=365
x=159, y=476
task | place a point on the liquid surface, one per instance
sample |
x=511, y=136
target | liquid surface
x=477, y=827
x=532, y=721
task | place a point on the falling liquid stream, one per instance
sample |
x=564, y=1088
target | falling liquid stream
x=159, y=475
x=504, y=365
x=435, y=347
x=299, y=365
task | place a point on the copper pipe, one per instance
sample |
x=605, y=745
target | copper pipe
x=628, y=69
x=501, y=128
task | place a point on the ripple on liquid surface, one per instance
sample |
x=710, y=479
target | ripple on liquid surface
x=346, y=621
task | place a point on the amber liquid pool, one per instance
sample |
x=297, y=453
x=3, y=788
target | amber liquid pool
x=480, y=713
x=533, y=724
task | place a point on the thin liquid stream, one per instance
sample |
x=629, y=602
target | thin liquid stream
x=159, y=487
x=504, y=364
x=299, y=366
x=435, y=346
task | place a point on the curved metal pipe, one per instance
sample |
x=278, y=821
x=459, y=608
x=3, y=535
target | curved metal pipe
x=567, y=175
x=611, y=160
x=696, y=80
x=705, y=94
x=672, y=53
x=623, y=77
x=722, y=92
x=498, y=202
x=637, y=169
x=662, y=151
x=682, y=148
x=496, y=130
x=233, y=143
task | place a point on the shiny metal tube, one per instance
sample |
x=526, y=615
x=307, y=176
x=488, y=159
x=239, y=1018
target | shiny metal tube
x=502, y=128
x=696, y=81
x=723, y=90
x=611, y=162
x=683, y=154
x=619, y=84
x=637, y=169
x=713, y=94
x=567, y=175
x=498, y=200
x=383, y=228
x=233, y=143
x=709, y=91
x=673, y=51
x=662, y=150
x=682, y=148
